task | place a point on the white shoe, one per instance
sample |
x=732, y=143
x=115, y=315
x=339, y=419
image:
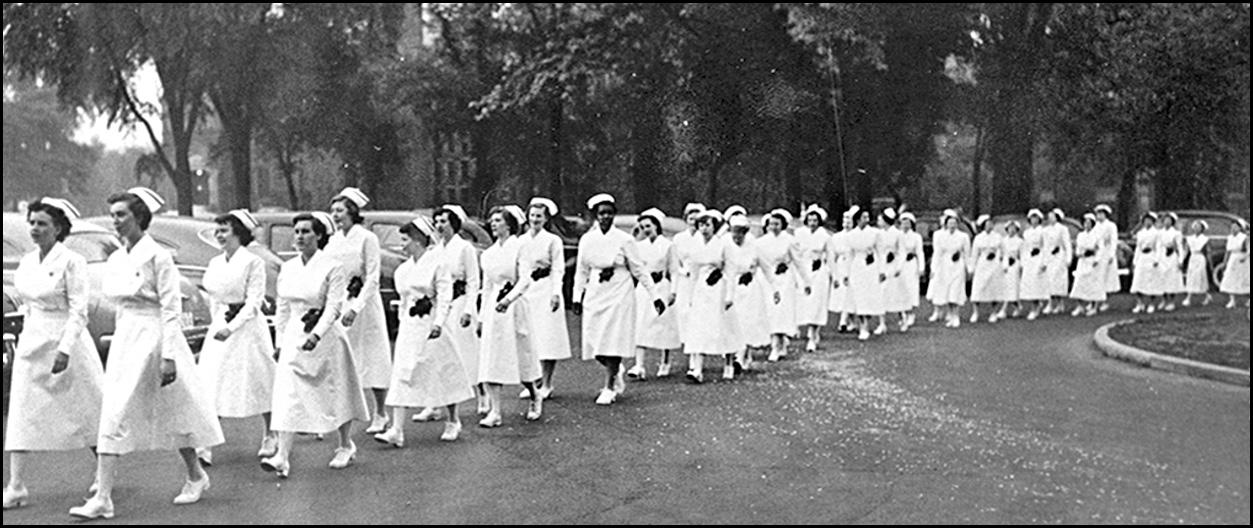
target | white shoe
x=934, y=317
x=1150, y=309
x=490, y=421
x=637, y=373
x=863, y=335
x=774, y=357
x=344, y=456
x=280, y=467
x=1001, y=315
x=1208, y=299
x=193, y=490
x=695, y=376
x=1077, y=311
x=974, y=317
x=663, y=370
x=993, y=318
x=1139, y=308
x=536, y=411
x=15, y=498
x=728, y=372
x=451, y=431
x=1104, y=307
x=1231, y=304
x=811, y=347
x=377, y=425
x=94, y=509
x=525, y=394
x=1170, y=307
x=205, y=455
x=1090, y=312
x=1033, y=315
x=429, y=414
x=1187, y=301
x=546, y=392
x=393, y=437
x=269, y=447
x=881, y=329
x=606, y=397
x=1017, y=312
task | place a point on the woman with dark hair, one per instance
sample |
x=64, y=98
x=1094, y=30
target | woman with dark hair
x=1033, y=287
x=1173, y=252
x=1236, y=275
x=427, y=371
x=1089, y=284
x=57, y=376
x=778, y=251
x=542, y=258
x=1144, y=282
x=507, y=356
x=316, y=387
x=890, y=246
x=713, y=296
x=1011, y=251
x=1059, y=253
x=813, y=242
x=681, y=249
x=153, y=399
x=988, y=284
x=607, y=260
x=462, y=263
x=911, y=267
x=237, y=361
x=951, y=261
x=1107, y=231
x=841, y=299
x=357, y=251
x=866, y=274
x=1196, y=278
x=652, y=330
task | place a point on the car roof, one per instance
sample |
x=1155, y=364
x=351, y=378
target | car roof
x=15, y=231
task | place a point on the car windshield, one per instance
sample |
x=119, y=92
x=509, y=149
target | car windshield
x=95, y=247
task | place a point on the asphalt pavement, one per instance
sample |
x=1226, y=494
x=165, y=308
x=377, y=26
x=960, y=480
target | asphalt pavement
x=1010, y=423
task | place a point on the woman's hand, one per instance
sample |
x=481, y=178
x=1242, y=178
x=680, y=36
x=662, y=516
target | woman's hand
x=808, y=290
x=778, y=297
x=61, y=363
x=555, y=304
x=169, y=372
x=435, y=332
x=502, y=306
x=349, y=317
x=312, y=342
x=222, y=334
x=728, y=305
x=465, y=320
x=670, y=300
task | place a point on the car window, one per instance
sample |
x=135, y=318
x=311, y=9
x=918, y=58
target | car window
x=389, y=236
x=282, y=239
x=95, y=247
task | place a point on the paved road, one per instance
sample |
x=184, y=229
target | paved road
x=1014, y=423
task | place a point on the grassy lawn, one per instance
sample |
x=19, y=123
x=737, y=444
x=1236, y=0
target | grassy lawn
x=1221, y=338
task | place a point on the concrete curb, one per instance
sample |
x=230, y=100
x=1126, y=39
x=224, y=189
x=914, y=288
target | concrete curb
x=1197, y=369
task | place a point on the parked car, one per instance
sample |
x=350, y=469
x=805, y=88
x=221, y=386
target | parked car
x=275, y=233
x=95, y=243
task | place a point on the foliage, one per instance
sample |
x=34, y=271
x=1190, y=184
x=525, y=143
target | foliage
x=40, y=158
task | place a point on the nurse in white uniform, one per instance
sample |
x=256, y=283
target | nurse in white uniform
x=357, y=251
x=891, y=247
x=1107, y=230
x=988, y=284
x=712, y=297
x=1059, y=252
x=462, y=263
x=605, y=296
x=1236, y=275
x=681, y=249
x=426, y=371
x=543, y=254
x=1173, y=253
x=57, y=376
x=1144, y=282
x=813, y=242
x=752, y=287
x=237, y=360
x=951, y=260
x=841, y=299
x=654, y=331
x=1196, y=278
x=317, y=388
x=1033, y=287
x=911, y=268
x=1089, y=284
x=153, y=397
x=778, y=252
x=866, y=274
x=1011, y=257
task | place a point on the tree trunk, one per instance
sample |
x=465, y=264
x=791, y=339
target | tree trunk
x=237, y=124
x=645, y=137
x=1011, y=146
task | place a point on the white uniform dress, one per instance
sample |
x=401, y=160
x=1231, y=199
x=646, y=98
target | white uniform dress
x=749, y=302
x=1089, y=282
x=425, y=372
x=895, y=295
x=541, y=257
x=315, y=391
x=137, y=413
x=358, y=255
x=1196, y=278
x=238, y=372
x=911, y=268
x=681, y=275
x=462, y=263
x=654, y=331
x=53, y=412
x=811, y=251
x=988, y=284
x=1171, y=247
x=1144, y=280
x=1236, y=276
x=841, y=300
x=713, y=328
x=1058, y=253
x=506, y=356
x=777, y=253
x=602, y=280
x=950, y=261
x=1034, y=283
x=1011, y=253
x=866, y=266
x=1107, y=232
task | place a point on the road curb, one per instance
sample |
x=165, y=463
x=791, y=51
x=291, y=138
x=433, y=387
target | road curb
x=1117, y=350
